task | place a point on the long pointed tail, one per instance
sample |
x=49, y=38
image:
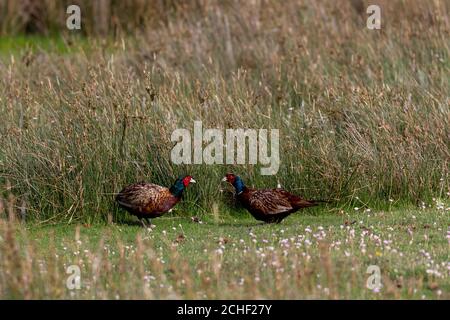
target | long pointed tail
x=302, y=203
x=319, y=201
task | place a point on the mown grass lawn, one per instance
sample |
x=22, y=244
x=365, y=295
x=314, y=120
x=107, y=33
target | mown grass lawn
x=319, y=255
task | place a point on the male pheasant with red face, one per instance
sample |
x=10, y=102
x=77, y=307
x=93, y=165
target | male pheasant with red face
x=148, y=200
x=268, y=205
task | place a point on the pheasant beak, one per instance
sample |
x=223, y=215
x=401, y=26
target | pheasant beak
x=192, y=181
x=224, y=179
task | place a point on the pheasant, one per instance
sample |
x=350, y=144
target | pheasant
x=148, y=200
x=268, y=205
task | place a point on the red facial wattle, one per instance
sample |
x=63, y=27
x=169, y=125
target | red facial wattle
x=186, y=180
x=230, y=178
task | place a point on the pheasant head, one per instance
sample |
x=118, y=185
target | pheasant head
x=180, y=184
x=236, y=181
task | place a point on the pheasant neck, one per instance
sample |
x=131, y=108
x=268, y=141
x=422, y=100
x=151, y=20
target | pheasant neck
x=239, y=185
x=176, y=190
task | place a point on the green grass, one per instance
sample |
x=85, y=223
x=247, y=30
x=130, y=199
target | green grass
x=181, y=259
x=15, y=44
x=32, y=46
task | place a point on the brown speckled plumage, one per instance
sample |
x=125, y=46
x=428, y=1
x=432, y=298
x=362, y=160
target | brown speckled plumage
x=148, y=200
x=268, y=205
x=272, y=205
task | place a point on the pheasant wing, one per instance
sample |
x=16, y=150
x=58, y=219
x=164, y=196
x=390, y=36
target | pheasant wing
x=269, y=201
x=139, y=195
x=296, y=201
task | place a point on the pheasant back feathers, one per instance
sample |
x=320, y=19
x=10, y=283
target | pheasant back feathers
x=268, y=205
x=148, y=200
